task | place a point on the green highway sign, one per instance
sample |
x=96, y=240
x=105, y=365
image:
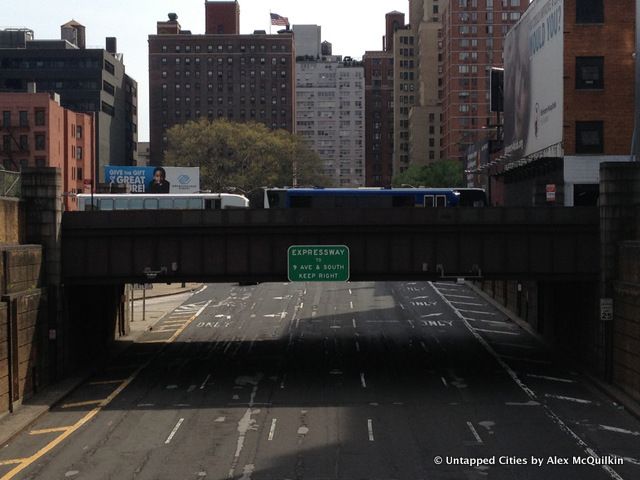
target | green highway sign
x=318, y=263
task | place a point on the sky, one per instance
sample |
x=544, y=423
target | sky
x=352, y=26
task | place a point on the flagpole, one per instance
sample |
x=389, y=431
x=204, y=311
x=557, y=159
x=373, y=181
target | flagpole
x=270, y=22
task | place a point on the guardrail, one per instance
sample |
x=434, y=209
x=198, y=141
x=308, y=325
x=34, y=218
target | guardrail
x=10, y=183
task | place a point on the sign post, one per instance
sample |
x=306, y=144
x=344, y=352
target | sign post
x=318, y=263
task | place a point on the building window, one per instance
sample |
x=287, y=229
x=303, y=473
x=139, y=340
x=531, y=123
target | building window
x=108, y=109
x=108, y=66
x=107, y=87
x=40, y=142
x=589, y=137
x=24, y=143
x=24, y=119
x=6, y=119
x=78, y=153
x=589, y=73
x=78, y=132
x=40, y=118
x=589, y=11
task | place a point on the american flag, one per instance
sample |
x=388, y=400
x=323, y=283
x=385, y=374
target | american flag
x=278, y=20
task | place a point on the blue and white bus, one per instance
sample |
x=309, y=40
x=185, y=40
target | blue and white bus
x=190, y=201
x=368, y=198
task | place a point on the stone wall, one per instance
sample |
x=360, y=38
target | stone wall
x=23, y=325
x=626, y=325
x=12, y=225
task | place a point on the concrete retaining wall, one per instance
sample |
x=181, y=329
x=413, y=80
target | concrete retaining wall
x=12, y=224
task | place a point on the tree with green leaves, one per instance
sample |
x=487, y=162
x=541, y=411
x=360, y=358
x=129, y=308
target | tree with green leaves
x=242, y=156
x=441, y=174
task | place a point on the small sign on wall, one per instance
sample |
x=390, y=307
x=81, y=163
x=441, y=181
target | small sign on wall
x=606, y=309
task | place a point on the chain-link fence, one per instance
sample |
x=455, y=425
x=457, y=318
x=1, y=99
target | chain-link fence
x=9, y=183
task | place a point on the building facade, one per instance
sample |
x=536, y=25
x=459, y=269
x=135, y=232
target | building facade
x=379, y=106
x=38, y=132
x=88, y=80
x=330, y=116
x=473, y=33
x=218, y=75
x=576, y=112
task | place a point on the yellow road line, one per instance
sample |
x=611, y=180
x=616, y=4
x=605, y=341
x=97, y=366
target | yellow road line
x=107, y=382
x=26, y=462
x=82, y=404
x=12, y=461
x=49, y=430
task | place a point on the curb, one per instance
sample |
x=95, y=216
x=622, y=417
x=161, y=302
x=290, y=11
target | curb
x=630, y=404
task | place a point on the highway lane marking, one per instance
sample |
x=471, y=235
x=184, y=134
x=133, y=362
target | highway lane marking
x=12, y=461
x=351, y=305
x=204, y=287
x=49, y=430
x=282, y=383
x=474, y=432
x=402, y=306
x=82, y=404
x=479, y=312
x=429, y=315
x=467, y=303
x=411, y=323
x=493, y=331
x=363, y=382
x=569, y=399
x=552, y=379
x=632, y=461
x=619, y=430
x=460, y=296
x=444, y=382
x=353, y=322
x=350, y=292
x=530, y=393
x=357, y=346
x=91, y=414
x=173, y=432
x=424, y=346
x=370, y=429
x=272, y=431
x=106, y=382
x=490, y=322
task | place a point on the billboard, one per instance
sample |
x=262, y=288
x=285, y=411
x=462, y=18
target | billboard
x=154, y=179
x=533, y=80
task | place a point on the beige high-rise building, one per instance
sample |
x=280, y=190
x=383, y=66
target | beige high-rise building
x=405, y=93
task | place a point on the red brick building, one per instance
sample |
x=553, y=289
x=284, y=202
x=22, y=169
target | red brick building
x=37, y=132
x=597, y=109
x=218, y=75
x=472, y=41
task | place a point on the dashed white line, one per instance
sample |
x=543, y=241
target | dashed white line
x=477, y=311
x=363, y=382
x=402, y=306
x=370, y=429
x=272, y=431
x=174, y=431
x=467, y=303
x=494, y=331
x=459, y=296
x=357, y=346
x=444, y=382
x=474, y=432
x=619, y=430
x=411, y=323
x=551, y=379
x=204, y=383
x=431, y=315
x=350, y=292
x=353, y=321
x=351, y=305
x=569, y=399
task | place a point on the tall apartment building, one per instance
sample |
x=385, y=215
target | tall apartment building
x=89, y=80
x=425, y=115
x=568, y=104
x=473, y=33
x=218, y=74
x=379, y=106
x=330, y=108
x=38, y=132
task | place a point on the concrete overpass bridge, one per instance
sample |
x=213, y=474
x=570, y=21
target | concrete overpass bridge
x=385, y=244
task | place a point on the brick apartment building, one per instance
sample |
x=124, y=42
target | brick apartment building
x=472, y=40
x=38, y=132
x=220, y=74
x=379, y=106
x=582, y=117
x=89, y=80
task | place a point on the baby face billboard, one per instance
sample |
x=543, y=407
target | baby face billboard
x=533, y=80
x=155, y=179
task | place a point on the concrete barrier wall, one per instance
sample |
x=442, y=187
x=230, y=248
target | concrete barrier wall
x=626, y=329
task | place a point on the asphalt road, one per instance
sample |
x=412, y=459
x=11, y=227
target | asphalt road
x=332, y=381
